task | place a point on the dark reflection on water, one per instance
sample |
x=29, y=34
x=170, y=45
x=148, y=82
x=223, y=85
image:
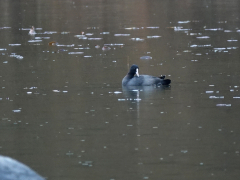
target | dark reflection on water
x=65, y=113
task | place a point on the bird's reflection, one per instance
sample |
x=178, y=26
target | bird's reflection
x=135, y=94
x=132, y=92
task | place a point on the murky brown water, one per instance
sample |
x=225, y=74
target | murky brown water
x=64, y=112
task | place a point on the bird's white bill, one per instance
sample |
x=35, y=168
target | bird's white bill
x=137, y=72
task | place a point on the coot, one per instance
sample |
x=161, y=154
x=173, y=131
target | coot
x=142, y=80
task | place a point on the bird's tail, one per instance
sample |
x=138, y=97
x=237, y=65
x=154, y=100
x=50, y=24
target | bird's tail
x=165, y=81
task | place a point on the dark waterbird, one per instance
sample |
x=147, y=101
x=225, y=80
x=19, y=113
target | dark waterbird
x=142, y=80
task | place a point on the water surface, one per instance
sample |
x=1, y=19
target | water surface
x=64, y=111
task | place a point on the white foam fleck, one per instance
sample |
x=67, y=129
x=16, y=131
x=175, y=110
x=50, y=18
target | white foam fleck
x=32, y=41
x=121, y=34
x=5, y=27
x=203, y=37
x=16, y=111
x=117, y=92
x=146, y=57
x=29, y=92
x=56, y=91
x=89, y=34
x=228, y=105
x=232, y=40
x=183, y=22
x=14, y=44
x=42, y=37
x=176, y=28
x=75, y=52
x=137, y=39
x=97, y=39
x=62, y=45
x=50, y=32
x=205, y=45
x=216, y=97
x=153, y=37
x=232, y=47
x=114, y=44
x=184, y=151
x=209, y=91
x=152, y=27
x=214, y=29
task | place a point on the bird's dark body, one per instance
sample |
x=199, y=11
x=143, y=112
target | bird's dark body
x=143, y=80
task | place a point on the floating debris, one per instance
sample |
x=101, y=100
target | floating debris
x=117, y=92
x=214, y=29
x=152, y=27
x=132, y=28
x=232, y=40
x=5, y=27
x=228, y=105
x=105, y=48
x=33, y=41
x=89, y=34
x=183, y=22
x=65, y=32
x=32, y=31
x=153, y=37
x=42, y=37
x=184, y=151
x=16, y=111
x=216, y=97
x=14, y=44
x=205, y=45
x=114, y=44
x=16, y=56
x=71, y=45
x=50, y=32
x=137, y=39
x=180, y=29
x=121, y=34
x=56, y=91
x=203, y=37
x=97, y=39
x=86, y=163
x=52, y=43
x=232, y=47
x=209, y=91
x=75, y=52
x=146, y=57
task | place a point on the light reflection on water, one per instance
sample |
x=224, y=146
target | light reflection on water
x=66, y=114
